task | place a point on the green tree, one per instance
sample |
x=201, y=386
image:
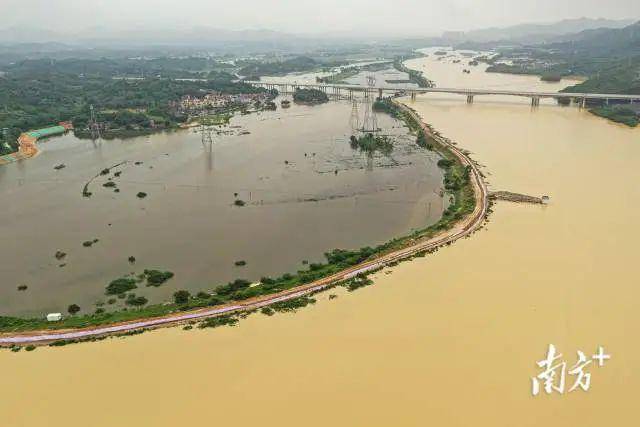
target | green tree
x=181, y=297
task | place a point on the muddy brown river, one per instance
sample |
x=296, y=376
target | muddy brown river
x=447, y=340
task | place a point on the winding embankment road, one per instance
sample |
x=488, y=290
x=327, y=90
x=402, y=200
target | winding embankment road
x=463, y=228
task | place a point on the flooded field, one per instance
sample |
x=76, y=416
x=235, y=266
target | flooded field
x=387, y=77
x=305, y=192
x=447, y=71
x=447, y=340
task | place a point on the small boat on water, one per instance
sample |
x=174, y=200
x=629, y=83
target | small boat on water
x=285, y=103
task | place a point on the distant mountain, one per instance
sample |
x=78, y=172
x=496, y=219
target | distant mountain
x=534, y=33
x=196, y=35
x=610, y=58
x=602, y=42
x=201, y=39
x=22, y=35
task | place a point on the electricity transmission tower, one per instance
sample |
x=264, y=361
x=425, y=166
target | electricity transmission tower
x=354, y=121
x=94, y=126
x=206, y=131
x=369, y=121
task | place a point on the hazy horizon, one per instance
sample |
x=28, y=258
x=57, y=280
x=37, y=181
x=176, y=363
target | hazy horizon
x=377, y=17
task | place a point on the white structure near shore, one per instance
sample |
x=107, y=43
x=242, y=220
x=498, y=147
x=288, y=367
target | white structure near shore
x=54, y=317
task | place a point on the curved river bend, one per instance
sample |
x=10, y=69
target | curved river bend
x=449, y=340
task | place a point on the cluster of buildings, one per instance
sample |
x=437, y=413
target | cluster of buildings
x=217, y=100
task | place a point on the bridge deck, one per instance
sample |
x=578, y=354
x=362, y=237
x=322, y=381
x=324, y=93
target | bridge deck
x=459, y=91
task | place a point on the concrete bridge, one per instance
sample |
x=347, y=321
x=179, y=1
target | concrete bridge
x=349, y=91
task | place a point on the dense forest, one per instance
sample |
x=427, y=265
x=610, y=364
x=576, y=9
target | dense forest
x=414, y=75
x=621, y=76
x=166, y=67
x=609, y=58
x=35, y=95
x=310, y=96
x=256, y=69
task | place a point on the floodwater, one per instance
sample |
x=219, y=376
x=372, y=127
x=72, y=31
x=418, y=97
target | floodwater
x=311, y=77
x=388, y=77
x=447, y=340
x=306, y=192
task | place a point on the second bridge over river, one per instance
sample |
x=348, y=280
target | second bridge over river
x=349, y=91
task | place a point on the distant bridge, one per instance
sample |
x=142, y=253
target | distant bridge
x=348, y=91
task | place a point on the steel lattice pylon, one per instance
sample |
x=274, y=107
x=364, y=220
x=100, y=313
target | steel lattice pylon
x=370, y=120
x=354, y=121
x=94, y=126
x=206, y=131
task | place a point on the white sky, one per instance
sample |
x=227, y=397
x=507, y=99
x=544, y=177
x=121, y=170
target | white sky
x=305, y=16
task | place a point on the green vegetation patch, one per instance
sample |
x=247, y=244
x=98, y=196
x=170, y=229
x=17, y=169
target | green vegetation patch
x=310, y=96
x=551, y=77
x=619, y=114
x=214, y=322
x=156, y=277
x=255, y=69
x=357, y=282
x=370, y=143
x=121, y=285
x=292, y=305
x=136, y=301
x=385, y=106
x=415, y=76
x=41, y=92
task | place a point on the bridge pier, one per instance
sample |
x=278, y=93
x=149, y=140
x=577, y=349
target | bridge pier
x=352, y=91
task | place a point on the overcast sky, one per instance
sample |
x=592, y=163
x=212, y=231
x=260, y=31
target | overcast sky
x=304, y=16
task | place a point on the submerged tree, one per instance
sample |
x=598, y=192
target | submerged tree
x=370, y=143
